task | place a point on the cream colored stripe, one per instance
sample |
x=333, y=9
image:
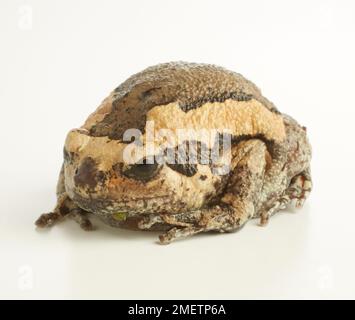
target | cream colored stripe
x=240, y=117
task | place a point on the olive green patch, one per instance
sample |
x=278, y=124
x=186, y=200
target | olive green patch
x=120, y=216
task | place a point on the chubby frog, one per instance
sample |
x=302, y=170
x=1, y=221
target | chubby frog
x=182, y=148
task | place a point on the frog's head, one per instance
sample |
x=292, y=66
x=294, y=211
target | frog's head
x=100, y=179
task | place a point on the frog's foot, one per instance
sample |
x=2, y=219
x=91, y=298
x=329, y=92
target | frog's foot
x=65, y=208
x=48, y=219
x=300, y=188
x=81, y=217
x=297, y=192
x=60, y=211
x=278, y=205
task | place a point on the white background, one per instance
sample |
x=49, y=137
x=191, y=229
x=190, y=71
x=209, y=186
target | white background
x=59, y=59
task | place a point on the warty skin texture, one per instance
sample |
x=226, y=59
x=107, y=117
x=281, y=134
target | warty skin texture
x=269, y=168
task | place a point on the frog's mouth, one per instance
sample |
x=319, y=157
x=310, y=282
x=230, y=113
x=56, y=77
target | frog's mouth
x=129, y=218
x=137, y=222
x=128, y=207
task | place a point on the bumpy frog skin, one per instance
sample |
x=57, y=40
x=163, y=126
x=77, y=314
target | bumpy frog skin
x=269, y=157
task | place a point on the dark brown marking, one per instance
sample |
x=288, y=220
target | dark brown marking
x=141, y=171
x=87, y=174
x=64, y=210
x=189, y=84
x=188, y=170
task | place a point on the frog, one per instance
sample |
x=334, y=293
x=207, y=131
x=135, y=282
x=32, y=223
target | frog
x=246, y=160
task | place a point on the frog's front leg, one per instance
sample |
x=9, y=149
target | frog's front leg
x=65, y=207
x=238, y=203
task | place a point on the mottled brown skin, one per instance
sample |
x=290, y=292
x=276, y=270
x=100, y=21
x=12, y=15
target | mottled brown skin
x=270, y=157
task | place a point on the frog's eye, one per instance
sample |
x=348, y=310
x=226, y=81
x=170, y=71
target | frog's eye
x=141, y=171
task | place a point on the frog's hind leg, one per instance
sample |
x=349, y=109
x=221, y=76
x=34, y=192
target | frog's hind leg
x=237, y=205
x=300, y=188
x=65, y=207
x=297, y=192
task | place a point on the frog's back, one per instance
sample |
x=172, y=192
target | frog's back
x=190, y=85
